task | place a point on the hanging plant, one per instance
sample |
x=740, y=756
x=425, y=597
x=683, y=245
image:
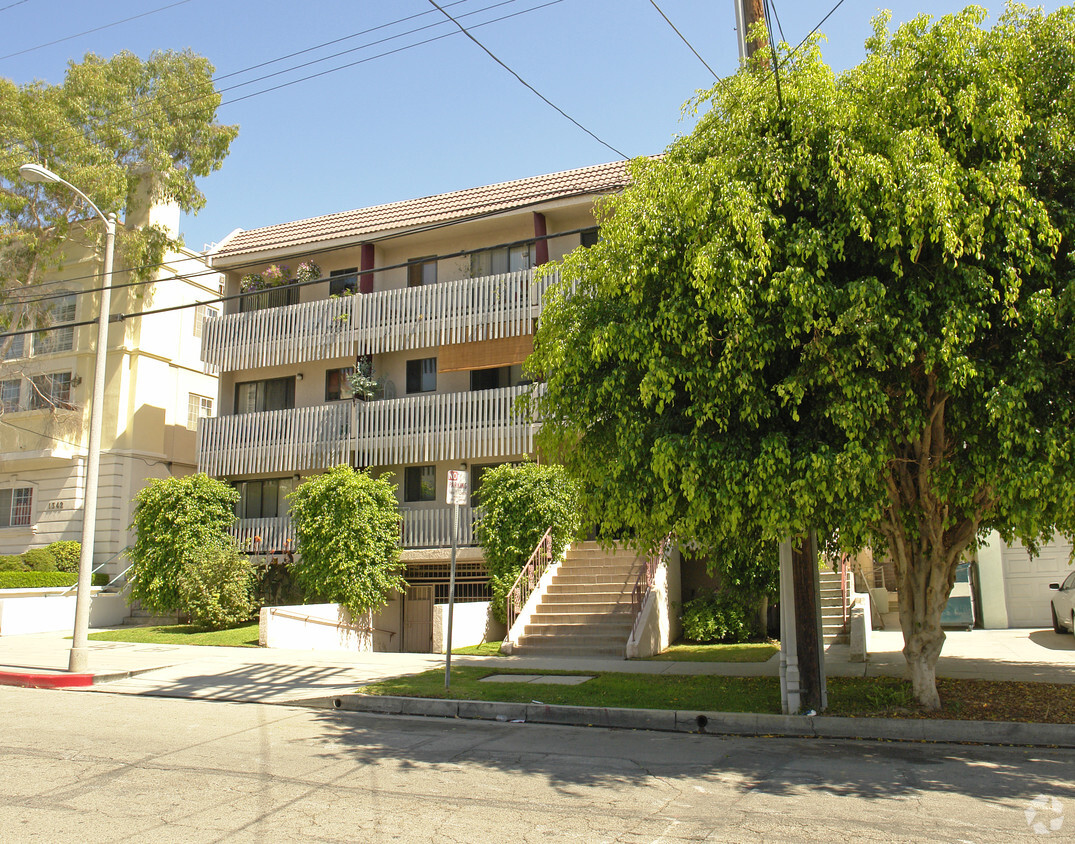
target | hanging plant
x=274, y=275
x=308, y=271
x=361, y=381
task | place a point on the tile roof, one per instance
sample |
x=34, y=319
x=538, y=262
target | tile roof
x=458, y=205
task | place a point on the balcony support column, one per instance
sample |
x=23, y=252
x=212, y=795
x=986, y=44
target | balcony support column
x=541, y=243
x=367, y=260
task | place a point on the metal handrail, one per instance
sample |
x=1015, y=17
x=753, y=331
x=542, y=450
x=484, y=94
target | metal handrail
x=97, y=568
x=845, y=587
x=644, y=581
x=528, y=578
x=313, y=619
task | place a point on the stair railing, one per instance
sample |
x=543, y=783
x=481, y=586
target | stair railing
x=528, y=578
x=845, y=587
x=99, y=567
x=644, y=581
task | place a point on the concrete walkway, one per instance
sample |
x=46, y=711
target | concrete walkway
x=277, y=676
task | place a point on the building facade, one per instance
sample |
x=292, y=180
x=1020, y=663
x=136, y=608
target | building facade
x=436, y=299
x=156, y=389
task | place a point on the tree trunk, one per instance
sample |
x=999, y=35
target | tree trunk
x=763, y=616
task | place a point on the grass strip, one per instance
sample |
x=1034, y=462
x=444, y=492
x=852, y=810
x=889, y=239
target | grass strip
x=245, y=636
x=484, y=649
x=698, y=652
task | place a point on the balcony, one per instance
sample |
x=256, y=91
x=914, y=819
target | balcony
x=420, y=528
x=415, y=429
x=465, y=311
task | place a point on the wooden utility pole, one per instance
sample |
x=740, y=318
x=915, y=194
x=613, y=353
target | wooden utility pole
x=802, y=655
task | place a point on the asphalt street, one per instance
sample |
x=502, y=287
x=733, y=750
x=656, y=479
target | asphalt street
x=79, y=766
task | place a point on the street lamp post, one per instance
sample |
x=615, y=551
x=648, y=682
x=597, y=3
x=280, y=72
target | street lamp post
x=79, y=646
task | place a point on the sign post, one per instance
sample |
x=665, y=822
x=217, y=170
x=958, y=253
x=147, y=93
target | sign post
x=457, y=494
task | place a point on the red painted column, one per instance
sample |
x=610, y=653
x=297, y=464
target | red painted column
x=366, y=280
x=541, y=245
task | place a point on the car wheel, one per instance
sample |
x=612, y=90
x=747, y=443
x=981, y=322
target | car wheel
x=1057, y=626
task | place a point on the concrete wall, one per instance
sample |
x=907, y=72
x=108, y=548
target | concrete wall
x=659, y=624
x=48, y=610
x=327, y=627
x=472, y=624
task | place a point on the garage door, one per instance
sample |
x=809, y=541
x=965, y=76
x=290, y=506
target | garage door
x=1026, y=581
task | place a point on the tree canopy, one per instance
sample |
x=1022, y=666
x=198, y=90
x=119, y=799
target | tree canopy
x=112, y=124
x=848, y=307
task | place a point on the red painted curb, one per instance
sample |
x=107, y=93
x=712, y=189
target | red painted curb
x=31, y=680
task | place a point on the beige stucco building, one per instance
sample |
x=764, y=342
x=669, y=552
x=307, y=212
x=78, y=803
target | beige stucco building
x=156, y=389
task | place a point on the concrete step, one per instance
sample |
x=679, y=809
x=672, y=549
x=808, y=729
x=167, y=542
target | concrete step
x=610, y=652
x=592, y=591
x=612, y=568
x=578, y=645
x=582, y=608
x=569, y=614
x=612, y=631
x=562, y=578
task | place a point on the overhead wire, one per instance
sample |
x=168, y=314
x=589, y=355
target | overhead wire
x=526, y=84
x=684, y=40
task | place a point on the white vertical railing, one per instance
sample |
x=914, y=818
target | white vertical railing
x=464, y=311
x=443, y=426
x=264, y=536
x=284, y=441
x=431, y=527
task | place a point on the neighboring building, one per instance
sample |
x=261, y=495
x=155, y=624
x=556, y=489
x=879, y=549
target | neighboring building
x=156, y=388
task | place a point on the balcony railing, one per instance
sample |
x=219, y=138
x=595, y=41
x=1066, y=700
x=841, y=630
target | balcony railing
x=465, y=311
x=420, y=528
x=442, y=426
x=414, y=429
x=283, y=441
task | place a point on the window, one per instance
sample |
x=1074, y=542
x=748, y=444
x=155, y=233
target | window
x=476, y=475
x=589, y=238
x=422, y=375
x=274, y=297
x=492, y=379
x=17, y=348
x=53, y=390
x=9, y=395
x=201, y=314
x=506, y=259
x=420, y=483
x=337, y=387
x=265, y=499
x=15, y=506
x=421, y=271
x=198, y=407
x=343, y=282
x=57, y=339
x=271, y=394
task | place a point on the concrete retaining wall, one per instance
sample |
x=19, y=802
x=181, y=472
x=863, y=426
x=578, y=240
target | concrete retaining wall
x=472, y=624
x=328, y=627
x=659, y=623
x=49, y=610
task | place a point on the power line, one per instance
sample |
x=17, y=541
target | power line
x=779, y=25
x=89, y=31
x=13, y=5
x=526, y=84
x=684, y=40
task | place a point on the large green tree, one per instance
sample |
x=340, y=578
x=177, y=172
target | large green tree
x=111, y=124
x=850, y=306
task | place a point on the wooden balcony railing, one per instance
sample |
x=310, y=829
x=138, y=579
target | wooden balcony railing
x=414, y=429
x=464, y=311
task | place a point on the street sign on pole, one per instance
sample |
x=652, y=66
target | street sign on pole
x=457, y=495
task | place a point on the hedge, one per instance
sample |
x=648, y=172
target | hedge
x=42, y=579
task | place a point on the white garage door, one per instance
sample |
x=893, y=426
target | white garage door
x=1026, y=581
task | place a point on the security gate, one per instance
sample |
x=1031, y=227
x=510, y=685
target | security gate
x=418, y=620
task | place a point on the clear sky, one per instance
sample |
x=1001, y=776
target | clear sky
x=431, y=117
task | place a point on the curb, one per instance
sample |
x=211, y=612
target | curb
x=63, y=679
x=712, y=723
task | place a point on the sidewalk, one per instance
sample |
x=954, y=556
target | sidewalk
x=278, y=676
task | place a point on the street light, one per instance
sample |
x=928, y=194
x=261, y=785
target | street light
x=79, y=644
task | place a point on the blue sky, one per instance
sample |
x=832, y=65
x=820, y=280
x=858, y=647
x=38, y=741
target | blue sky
x=432, y=118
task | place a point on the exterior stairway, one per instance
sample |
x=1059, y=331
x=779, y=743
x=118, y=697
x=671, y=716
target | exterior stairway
x=587, y=608
x=833, y=630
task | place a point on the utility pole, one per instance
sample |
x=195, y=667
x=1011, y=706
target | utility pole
x=802, y=655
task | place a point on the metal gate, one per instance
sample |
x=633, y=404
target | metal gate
x=418, y=620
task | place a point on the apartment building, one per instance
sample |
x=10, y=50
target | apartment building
x=436, y=298
x=156, y=389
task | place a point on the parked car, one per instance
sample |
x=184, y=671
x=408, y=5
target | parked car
x=1064, y=604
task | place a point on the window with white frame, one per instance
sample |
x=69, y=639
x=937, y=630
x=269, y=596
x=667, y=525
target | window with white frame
x=201, y=314
x=16, y=506
x=52, y=390
x=198, y=407
x=421, y=272
x=17, y=347
x=56, y=337
x=9, y=395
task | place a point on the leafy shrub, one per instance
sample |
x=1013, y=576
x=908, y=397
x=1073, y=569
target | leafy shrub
x=717, y=616
x=176, y=520
x=38, y=559
x=519, y=503
x=347, y=532
x=276, y=585
x=11, y=562
x=42, y=579
x=216, y=589
x=66, y=554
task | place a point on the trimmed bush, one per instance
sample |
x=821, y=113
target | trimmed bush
x=718, y=617
x=176, y=520
x=347, y=530
x=216, y=590
x=66, y=554
x=43, y=579
x=38, y=559
x=11, y=562
x=519, y=503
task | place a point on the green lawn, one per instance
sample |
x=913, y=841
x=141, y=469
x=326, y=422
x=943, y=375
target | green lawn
x=245, y=636
x=697, y=652
x=484, y=649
